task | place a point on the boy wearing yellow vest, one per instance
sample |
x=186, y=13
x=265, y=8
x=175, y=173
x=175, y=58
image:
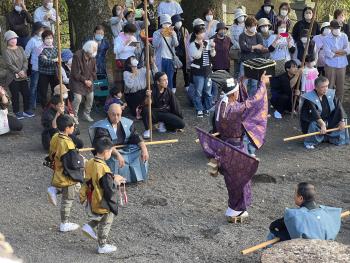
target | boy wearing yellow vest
x=100, y=192
x=68, y=170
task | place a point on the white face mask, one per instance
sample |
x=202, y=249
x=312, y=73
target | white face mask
x=252, y=29
x=336, y=32
x=93, y=55
x=267, y=9
x=209, y=18
x=49, y=5
x=178, y=25
x=303, y=40
x=282, y=30
x=308, y=16
x=326, y=31
x=151, y=2
x=48, y=42
x=241, y=19
x=284, y=12
x=134, y=62
x=65, y=96
x=264, y=29
x=18, y=8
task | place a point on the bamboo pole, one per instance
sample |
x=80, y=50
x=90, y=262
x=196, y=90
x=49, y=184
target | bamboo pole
x=214, y=134
x=148, y=70
x=277, y=239
x=122, y=146
x=311, y=134
x=59, y=48
x=297, y=87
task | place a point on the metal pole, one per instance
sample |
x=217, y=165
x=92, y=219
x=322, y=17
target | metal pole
x=58, y=31
x=148, y=70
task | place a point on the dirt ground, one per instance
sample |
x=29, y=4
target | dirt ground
x=178, y=215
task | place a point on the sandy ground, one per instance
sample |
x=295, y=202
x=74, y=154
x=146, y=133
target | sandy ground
x=178, y=215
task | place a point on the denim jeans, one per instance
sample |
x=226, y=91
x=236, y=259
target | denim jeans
x=251, y=84
x=168, y=68
x=202, y=96
x=34, y=78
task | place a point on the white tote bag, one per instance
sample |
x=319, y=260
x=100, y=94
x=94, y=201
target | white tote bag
x=4, y=123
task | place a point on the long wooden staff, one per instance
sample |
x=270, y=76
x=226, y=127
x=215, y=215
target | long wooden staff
x=277, y=239
x=148, y=69
x=297, y=87
x=58, y=31
x=312, y=134
x=122, y=146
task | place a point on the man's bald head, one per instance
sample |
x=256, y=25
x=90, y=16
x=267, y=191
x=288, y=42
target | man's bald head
x=115, y=113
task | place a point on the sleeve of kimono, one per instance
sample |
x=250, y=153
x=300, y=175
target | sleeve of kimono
x=308, y=112
x=110, y=193
x=175, y=107
x=134, y=137
x=249, y=103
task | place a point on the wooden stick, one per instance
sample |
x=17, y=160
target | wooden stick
x=306, y=50
x=59, y=49
x=311, y=134
x=148, y=69
x=277, y=239
x=214, y=134
x=122, y=146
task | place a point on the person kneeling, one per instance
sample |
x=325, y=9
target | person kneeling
x=321, y=110
x=101, y=195
x=165, y=107
x=309, y=221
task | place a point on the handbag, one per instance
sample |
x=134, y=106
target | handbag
x=176, y=61
x=235, y=53
x=4, y=123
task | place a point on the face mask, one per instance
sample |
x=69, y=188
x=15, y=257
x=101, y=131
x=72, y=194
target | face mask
x=178, y=25
x=221, y=34
x=282, y=30
x=284, y=12
x=308, y=16
x=151, y=2
x=252, y=29
x=209, y=18
x=49, y=5
x=12, y=42
x=93, y=55
x=119, y=12
x=48, y=42
x=241, y=19
x=18, y=8
x=98, y=37
x=65, y=96
x=303, y=40
x=336, y=32
x=134, y=62
x=326, y=31
x=267, y=9
x=264, y=29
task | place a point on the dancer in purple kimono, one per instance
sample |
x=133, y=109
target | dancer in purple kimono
x=241, y=121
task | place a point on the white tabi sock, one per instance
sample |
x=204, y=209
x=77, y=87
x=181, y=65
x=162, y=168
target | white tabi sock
x=230, y=212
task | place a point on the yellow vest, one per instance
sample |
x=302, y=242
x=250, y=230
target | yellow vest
x=95, y=169
x=53, y=145
x=63, y=145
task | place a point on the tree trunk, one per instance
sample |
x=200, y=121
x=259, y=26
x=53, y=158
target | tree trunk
x=84, y=16
x=197, y=8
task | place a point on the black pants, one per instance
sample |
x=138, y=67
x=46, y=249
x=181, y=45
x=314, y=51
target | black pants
x=321, y=71
x=184, y=72
x=134, y=100
x=282, y=103
x=17, y=87
x=172, y=122
x=14, y=124
x=43, y=85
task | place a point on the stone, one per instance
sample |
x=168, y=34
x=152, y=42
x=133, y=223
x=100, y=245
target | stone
x=307, y=250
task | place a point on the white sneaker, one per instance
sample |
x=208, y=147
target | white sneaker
x=277, y=115
x=161, y=127
x=89, y=231
x=173, y=90
x=147, y=134
x=67, y=227
x=52, y=195
x=88, y=117
x=106, y=249
x=309, y=147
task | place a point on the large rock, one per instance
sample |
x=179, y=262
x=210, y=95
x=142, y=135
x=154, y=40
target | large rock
x=307, y=251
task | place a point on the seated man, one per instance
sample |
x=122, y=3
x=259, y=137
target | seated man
x=321, y=110
x=126, y=161
x=309, y=221
x=48, y=120
x=282, y=87
x=165, y=107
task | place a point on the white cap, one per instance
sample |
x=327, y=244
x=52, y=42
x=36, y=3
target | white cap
x=198, y=22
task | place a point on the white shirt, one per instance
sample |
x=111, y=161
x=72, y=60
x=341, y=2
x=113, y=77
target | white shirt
x=170, y=8
x=33, y=49
x=121, y=50
x=39, y=16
